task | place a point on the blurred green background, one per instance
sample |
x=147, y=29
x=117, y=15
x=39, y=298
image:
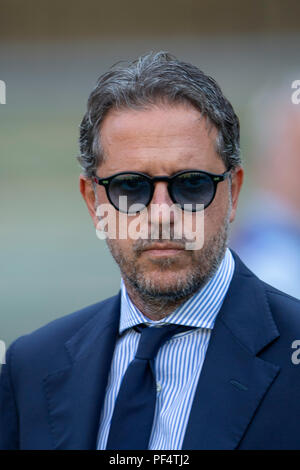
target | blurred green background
x=51, y=54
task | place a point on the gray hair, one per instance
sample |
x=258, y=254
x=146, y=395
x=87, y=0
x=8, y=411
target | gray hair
x=152, y=78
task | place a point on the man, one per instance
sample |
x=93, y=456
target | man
x=195, y=352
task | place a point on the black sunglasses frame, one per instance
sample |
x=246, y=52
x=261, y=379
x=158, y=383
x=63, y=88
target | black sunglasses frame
x=215, y=178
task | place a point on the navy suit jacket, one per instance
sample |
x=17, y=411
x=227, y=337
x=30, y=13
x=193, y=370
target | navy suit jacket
x=53, y=384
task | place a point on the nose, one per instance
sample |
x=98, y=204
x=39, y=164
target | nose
x=160, y=205
x=161, y=194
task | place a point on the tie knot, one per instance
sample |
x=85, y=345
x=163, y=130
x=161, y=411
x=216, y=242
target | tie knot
x=152, y=338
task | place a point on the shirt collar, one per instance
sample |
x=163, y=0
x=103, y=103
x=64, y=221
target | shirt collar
x=199, y=311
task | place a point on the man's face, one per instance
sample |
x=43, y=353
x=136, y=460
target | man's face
x=163, y=140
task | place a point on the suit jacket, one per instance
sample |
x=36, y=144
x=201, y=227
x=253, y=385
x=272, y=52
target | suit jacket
x=248, y=396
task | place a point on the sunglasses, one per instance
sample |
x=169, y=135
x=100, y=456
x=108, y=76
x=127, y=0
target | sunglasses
x=188, y=187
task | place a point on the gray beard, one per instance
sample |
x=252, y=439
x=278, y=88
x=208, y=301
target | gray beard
x=204, y=264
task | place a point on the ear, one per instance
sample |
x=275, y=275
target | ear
x=88, y=194
x=237, y=178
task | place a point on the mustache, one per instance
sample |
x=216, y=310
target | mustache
x=161, y=234
x=142, y=244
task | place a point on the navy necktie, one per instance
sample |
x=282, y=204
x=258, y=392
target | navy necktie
x=133, y=415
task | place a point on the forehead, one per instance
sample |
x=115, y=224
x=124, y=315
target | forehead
x=161, y=139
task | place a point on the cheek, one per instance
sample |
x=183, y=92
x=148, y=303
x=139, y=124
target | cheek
x=122, y=230
x=101, y=195
x=123, y=246
x=216, y=213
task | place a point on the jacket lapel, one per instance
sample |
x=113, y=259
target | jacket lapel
x=75, y=394
x=233, y=380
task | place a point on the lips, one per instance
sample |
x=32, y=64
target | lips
x=164, y=247
x=157, y=250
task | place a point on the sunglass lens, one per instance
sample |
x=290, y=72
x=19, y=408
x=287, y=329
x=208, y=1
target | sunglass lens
x=193, y=188
x=135, y=188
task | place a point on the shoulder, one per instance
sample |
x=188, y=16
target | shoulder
x=47, y=343
x=284, y=307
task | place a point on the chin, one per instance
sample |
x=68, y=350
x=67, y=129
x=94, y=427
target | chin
x=164, y=280
x=172, y=264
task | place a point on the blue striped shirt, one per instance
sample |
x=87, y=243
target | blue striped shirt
x=178, y=362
